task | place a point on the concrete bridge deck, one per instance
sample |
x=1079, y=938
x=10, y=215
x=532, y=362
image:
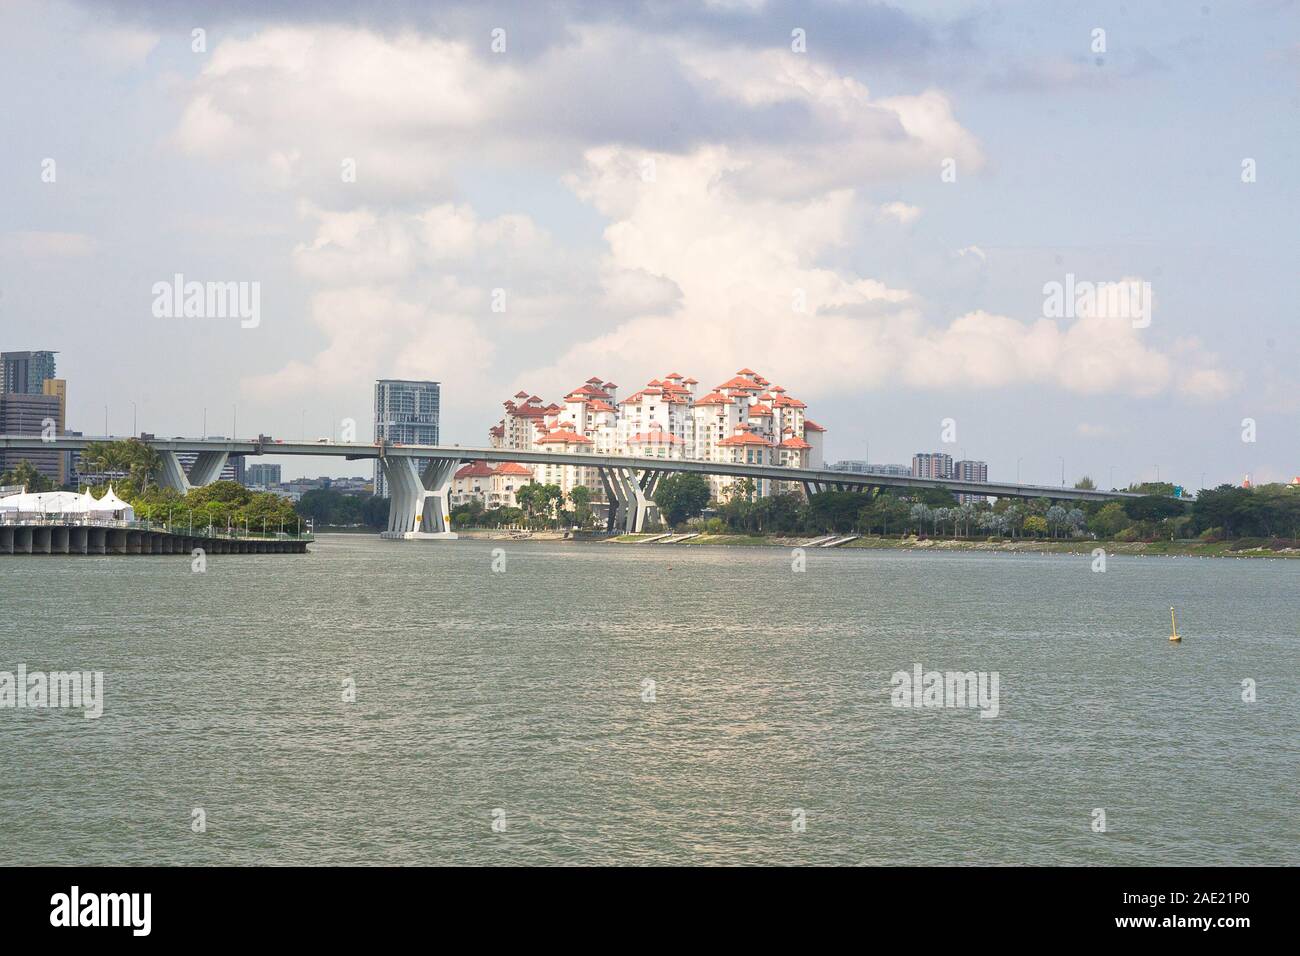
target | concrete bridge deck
x=420, y=475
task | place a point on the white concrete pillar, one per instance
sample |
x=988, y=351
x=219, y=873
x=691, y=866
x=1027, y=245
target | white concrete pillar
x=171, y=474
x=207, y=467
x=419, y=505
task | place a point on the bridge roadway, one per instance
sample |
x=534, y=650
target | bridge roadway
x=419, y=505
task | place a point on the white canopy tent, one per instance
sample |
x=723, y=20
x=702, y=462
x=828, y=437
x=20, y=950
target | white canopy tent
x=44, y=502
x=68, y=503
x=111, y=503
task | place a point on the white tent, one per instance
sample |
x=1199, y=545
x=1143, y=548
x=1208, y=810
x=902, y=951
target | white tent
x=68, y=503
x=45, y=502
x=112, y=503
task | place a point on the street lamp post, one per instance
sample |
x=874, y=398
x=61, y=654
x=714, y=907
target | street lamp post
x=1018, y=461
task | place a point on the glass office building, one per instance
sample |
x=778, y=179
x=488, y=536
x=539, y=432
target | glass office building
x=25, y=373
x=406, y=412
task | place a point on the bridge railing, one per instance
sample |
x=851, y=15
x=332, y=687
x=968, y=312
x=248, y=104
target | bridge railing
x=37, y=519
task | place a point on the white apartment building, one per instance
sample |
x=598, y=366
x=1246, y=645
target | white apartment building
x=744, y=419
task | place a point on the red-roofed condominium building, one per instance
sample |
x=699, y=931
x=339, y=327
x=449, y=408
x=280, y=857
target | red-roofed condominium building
x=744, y=419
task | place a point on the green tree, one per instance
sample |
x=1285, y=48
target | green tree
x=137, y=461
x=1109, y=521
x=935, y=497
x=1035, y=525
x=105, y=456
x=580, y=497
x=835, y=510
x=743, y=490
x=319, y=505
x=1164, y=489
x=143, y=463
x=552, y=500
x=682, y=496
x=374, y=512
x=1153, y=508
x=25, y=474
x=531, y=499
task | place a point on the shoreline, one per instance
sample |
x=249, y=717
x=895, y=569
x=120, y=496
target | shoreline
x=1199, y=549
x=1241, y=548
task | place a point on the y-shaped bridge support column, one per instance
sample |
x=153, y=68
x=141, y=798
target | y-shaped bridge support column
x=418, y=507
x=649, y=482
x=613, y=499
x=205, y=470
x=628, y=492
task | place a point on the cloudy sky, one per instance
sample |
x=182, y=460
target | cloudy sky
x=864, y=202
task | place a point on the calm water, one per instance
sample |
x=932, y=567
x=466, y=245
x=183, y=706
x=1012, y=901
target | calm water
x=522, y=691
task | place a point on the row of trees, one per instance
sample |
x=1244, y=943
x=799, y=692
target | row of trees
x=540, y=506
x=1269, y=511
x=325, y=506
x=136, y=465
x=220, y=505
x=131, y=459
x=25, y=475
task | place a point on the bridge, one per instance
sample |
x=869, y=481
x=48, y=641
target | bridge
x=420, y=475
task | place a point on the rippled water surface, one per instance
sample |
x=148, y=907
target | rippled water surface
x=522, y=691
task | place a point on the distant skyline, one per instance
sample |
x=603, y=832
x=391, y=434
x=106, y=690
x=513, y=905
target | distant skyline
x=870, y=203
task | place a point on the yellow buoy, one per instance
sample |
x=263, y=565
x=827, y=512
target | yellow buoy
x=1173, y=623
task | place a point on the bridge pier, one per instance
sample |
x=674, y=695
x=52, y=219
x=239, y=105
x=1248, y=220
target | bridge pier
x=419, y=505
x=628, y=492
x=205, y=470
